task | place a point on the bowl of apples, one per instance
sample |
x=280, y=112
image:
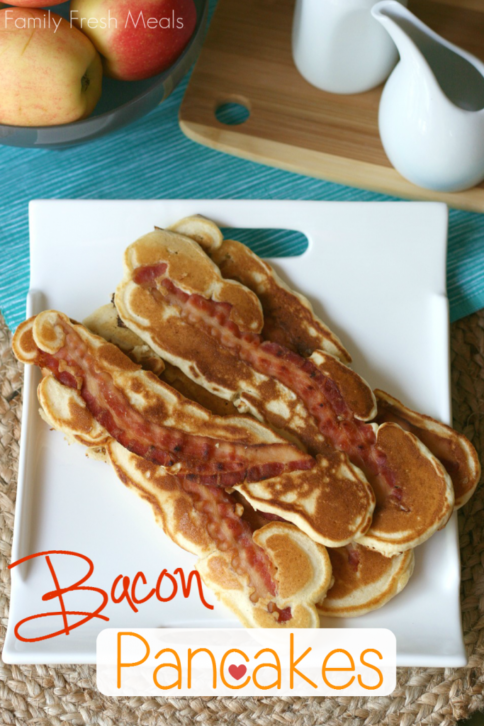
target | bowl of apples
x=79, y=70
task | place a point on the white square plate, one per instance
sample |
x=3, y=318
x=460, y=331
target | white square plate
x=374, y=271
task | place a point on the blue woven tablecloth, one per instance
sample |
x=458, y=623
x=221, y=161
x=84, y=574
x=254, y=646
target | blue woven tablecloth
x=152, y=159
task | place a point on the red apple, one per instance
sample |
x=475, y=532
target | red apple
x=138, y=38
x=51, y=72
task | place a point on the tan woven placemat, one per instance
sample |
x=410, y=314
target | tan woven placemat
x=60, y=695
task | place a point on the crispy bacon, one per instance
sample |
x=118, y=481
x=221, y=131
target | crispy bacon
x=353, y=557
x=75, y=367
x=211, y=461
x=272, y=517
x=284, y=614
x=233, y=535
x=319, y=393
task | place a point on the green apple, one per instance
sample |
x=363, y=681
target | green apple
x=51, y=72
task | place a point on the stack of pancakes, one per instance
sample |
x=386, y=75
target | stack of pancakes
x=207, y=344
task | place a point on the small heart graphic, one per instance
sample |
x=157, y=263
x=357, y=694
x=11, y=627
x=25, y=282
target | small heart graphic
x=237, y=672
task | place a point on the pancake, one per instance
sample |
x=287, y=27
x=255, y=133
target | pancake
x=200, y=229
x=177, y=379
x=65, y=410
x=342, y=482
x=302, y=572
x=453, y=450
x=354, y=389
x=263, y=578
x=282, y=323
x=153, y=420
x=171, y=285
x=420, y=501
x=364, y=580
x=202, y=358
x=190, y=518
x=343, y=505
x=146, y=392
x=105, y=322
x=341, y=497
x=289, y=318
x=176, y=512
x=300, y=568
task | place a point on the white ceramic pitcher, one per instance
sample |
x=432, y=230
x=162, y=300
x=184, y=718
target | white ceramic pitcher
x=339, y=47
x=431, y=114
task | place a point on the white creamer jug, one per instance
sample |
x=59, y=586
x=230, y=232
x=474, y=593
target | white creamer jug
x=339, y=47
x=431, y=114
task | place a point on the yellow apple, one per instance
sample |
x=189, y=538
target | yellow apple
x=51, y=72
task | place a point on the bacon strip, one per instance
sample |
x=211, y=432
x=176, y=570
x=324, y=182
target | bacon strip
x=354, y=558
x=319, y=393
x=208, y=460
x=233, y=535
x=75, y=367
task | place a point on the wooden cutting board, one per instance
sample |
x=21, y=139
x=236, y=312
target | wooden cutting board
x=247, y=59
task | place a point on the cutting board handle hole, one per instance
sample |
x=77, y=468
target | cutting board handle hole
x=232, y=113
x=270, y=242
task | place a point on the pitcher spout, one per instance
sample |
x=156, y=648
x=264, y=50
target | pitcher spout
x=431, y=115
x=396, y=19
x=453, y=72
